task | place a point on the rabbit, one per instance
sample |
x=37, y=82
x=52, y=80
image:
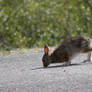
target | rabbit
x=67, y=50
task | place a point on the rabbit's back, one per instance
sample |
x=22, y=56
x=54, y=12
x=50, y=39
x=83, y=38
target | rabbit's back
x=82, y=43
x=71, y=47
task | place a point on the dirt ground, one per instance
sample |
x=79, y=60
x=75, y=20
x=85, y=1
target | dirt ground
x=23, y=72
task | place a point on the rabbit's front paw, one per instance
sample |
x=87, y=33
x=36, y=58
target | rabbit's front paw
x=67, y=63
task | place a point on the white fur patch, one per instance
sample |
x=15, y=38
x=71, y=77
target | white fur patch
x=91, y=57
x=90, y=44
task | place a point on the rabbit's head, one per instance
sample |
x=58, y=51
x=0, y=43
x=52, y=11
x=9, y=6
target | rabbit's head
x=46, y=57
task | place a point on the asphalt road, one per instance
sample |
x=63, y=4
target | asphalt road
x=24, y=73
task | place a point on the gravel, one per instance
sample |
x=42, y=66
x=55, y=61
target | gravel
x=24, y=73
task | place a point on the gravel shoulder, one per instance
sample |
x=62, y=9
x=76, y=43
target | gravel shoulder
x=23, y=72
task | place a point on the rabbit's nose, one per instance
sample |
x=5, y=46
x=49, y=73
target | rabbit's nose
x=45, y=65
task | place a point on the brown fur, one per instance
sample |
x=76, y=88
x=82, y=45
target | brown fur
x=67, y=49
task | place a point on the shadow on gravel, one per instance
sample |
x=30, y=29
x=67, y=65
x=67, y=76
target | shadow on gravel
x=64, y=65
x=38, y=68
x=57, y=66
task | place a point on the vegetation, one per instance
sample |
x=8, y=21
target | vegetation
x=33, y=23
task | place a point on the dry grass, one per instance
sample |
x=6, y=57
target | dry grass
x=24, y=51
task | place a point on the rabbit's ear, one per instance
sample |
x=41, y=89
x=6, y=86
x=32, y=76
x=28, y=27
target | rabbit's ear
x=46, y=49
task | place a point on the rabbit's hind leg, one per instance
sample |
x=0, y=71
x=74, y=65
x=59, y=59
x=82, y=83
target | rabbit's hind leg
x=67, y=63
x=89, y=58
